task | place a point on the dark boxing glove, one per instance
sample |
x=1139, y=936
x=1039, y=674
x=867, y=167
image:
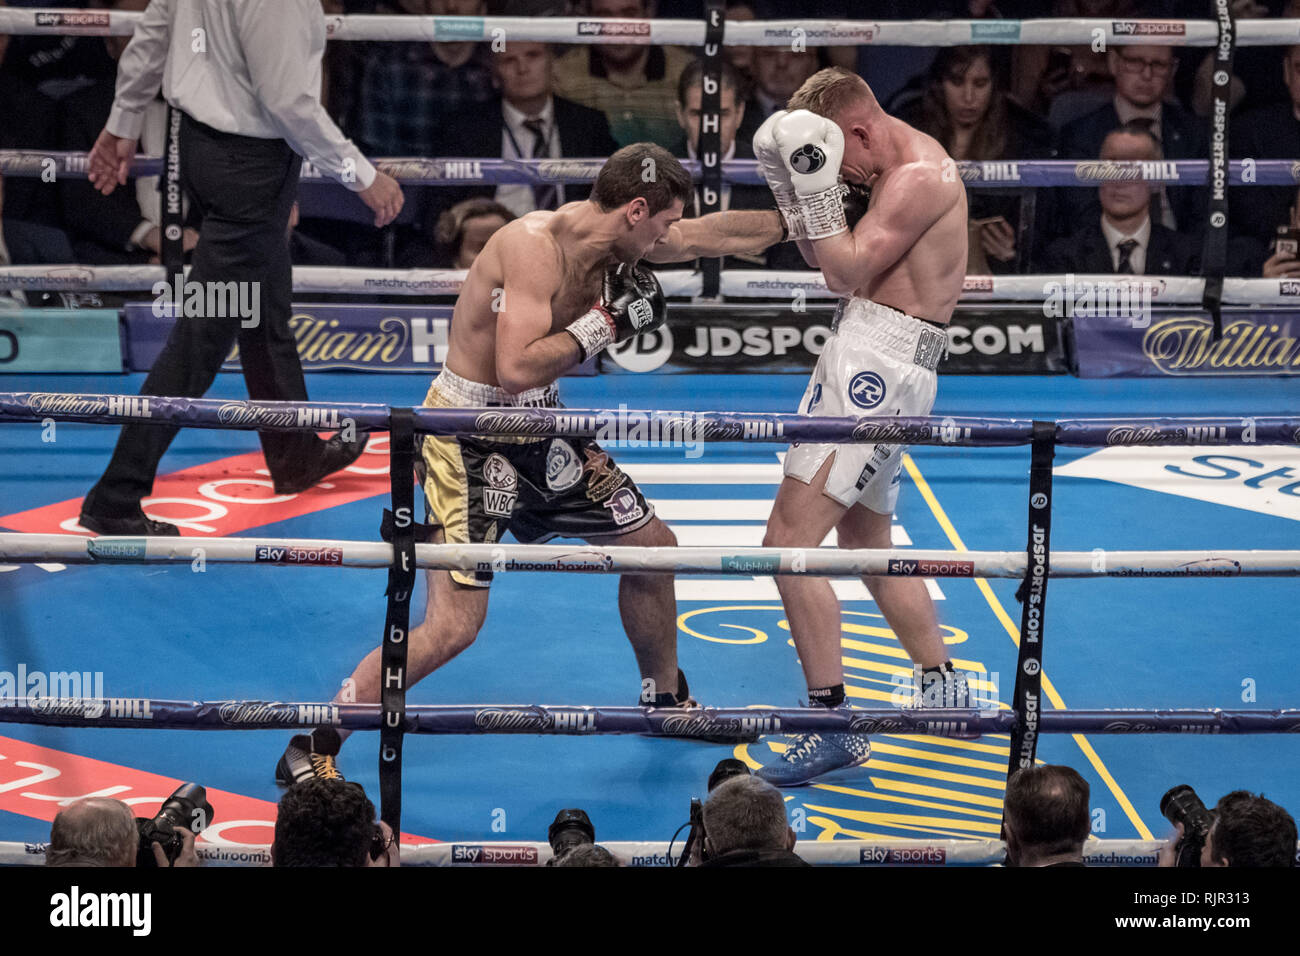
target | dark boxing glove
x=856, y=200
x=632, y=303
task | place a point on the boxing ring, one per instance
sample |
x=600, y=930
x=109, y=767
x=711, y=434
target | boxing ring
x=742, y=448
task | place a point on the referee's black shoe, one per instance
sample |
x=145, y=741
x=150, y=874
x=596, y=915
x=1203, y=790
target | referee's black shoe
x=335, y=456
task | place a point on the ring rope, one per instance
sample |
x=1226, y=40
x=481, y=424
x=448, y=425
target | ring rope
x=972, y=852
x=23, y=548
x=581, y=720
x=1077, y=294
x=592, y=30
x=648, y=427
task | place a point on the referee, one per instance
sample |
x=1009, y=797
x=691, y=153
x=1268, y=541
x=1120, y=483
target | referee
x=245, y=76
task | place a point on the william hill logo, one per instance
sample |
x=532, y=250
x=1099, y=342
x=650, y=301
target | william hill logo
x=1186, y=346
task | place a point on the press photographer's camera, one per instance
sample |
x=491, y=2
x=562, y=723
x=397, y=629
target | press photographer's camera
x=186, y=809
x=725, y=770
x=1182, y=805
x=570, y=828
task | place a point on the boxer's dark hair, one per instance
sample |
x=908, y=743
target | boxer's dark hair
x=645, y=171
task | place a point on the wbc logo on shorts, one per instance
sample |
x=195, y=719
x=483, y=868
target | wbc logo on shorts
x=867, y=390
x=502, y=486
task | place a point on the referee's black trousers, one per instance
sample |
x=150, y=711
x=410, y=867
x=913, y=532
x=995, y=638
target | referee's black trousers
x=244, y=188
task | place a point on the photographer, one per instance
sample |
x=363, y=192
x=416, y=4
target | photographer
x=745, y=825
x=330, y=823
x=98, y=831
x=1045, y=817
x=1247, y=831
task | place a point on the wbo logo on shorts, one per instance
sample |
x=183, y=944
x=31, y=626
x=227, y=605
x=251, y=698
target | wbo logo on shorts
x=867, y=390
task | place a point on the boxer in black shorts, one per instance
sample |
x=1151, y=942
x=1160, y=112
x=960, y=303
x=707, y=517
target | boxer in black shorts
x=549, y=291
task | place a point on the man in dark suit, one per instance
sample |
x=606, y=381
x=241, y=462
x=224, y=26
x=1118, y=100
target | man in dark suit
x=1125, y=238
x=1142, y=78
x=1269, y=132
x=525, y=121
x=784, y=255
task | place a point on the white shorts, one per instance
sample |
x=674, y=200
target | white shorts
x=879, y=361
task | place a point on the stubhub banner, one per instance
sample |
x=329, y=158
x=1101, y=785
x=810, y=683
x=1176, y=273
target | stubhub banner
x=60, y=340
x=372, y=338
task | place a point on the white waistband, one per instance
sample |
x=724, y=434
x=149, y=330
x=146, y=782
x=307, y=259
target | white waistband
x=476, y=394
x=898, y=335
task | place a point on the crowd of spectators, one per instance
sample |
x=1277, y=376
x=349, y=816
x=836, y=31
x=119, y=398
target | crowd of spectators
x=325, y=821
x=530, y=100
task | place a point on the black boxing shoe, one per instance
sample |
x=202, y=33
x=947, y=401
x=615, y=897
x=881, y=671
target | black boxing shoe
x=335, y=456
x=310, y=755
x=683, y=700
x=137, y=524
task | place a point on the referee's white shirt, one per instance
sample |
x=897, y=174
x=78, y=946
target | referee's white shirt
x=250, y=67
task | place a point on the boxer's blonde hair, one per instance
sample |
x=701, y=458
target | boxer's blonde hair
x=829, y=91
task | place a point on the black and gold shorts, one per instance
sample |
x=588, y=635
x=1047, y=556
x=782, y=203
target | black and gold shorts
x=478, y=488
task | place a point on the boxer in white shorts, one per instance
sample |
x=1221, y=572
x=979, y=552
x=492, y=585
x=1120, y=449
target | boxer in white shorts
x=900, y=269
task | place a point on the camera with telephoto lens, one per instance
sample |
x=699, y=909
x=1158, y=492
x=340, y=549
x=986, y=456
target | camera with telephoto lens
x=571, y=828
x=187, y=808
x=1182, y=805
x=725, y=770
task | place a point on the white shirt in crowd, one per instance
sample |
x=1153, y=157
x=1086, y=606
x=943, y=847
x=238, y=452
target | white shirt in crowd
x=1138, y=258
x=517, y=143
x=256, y=72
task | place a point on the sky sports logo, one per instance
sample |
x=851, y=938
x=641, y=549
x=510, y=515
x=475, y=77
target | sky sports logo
x=944, y=569
x=482, y=855
x=279, y=555
x=909, y=856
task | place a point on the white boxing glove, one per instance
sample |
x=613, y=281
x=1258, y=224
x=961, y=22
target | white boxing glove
x=773, y=168
x=812, y=149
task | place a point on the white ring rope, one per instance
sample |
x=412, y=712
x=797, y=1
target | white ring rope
x=833, y=562
x=974, y=852
x=681, y=283
x=591, y=30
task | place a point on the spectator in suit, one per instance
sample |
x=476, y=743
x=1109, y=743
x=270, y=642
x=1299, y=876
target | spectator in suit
x=778, y=72
x=524, y=120
x=527, y=120
x=464, y=229
x=965, y=106
x=734, y=196
x=1046, y=819
x=1267, y=132
x=1125, y=239
x=632, y=84
x=1057, y=81
x=1142, y=78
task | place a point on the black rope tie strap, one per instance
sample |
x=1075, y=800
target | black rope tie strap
x=1027, y=698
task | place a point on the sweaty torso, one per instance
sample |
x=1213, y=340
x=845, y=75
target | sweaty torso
x=927, y=281
x=472, y=340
